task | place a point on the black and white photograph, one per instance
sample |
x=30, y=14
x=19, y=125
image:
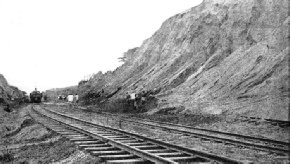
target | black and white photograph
x=144, y=82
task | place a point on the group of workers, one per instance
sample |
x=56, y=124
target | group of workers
x=137, y=99
x=70, y=98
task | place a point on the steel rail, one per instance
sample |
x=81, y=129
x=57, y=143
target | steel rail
x=247, y=144
x=208, y=130
x=119, y=145
x=202, y=154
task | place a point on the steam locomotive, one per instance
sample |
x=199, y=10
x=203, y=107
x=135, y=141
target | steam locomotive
x=35, y=96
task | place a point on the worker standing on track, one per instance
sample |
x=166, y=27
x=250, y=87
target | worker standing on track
x=70, y=98
x=132, y=96
x=77, y=98
x=74, y=98
x=143, y=97
x=128, y=98
x=131, y=99
x=137, y=101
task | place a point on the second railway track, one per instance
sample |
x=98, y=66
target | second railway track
x=118, y=146
x=279, y=147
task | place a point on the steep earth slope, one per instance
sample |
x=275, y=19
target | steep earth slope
x=222, y=56
x=7, y=92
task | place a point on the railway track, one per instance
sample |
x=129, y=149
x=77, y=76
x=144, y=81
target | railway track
x=279, y=148
x=273, y=146
x=258, y=120
x=118, y=146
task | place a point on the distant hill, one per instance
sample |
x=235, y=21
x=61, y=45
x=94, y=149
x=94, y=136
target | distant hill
x=222, y=56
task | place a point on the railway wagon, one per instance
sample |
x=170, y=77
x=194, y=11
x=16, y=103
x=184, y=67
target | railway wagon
x=35, y=97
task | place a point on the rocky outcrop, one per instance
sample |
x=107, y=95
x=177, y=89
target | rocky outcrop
x=222, y=56
x=7, y=92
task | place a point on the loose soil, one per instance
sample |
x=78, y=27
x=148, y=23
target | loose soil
x=24, y=141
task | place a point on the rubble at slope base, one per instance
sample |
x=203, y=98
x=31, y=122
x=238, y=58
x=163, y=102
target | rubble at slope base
x=23, y=140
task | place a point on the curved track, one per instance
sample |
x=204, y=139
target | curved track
x=274, y=146
x=279, y=148
x=118, y=146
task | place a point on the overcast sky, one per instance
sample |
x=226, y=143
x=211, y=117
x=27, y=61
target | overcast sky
x=55, y=43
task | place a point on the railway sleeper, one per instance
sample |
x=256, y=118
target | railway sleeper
x=218, y=141
x=245, y=120
x=168, y=154
x=147, y=147
x=139, y=144
x=75, y=135
x=108, y=147
x=281, y=146
x=96, y=146
x=108, y=152
x=101, y=132
x=61, y=129
x=117, y=137
x=194, y=136
x=90, y=145
x=280, y=154
x=126, y=140
x=171, y=155
x=80, y=139
x=105, y=134
x=88, y=142
x=283, y=125
x=230, y=144
x=205, y=139
x=155, y=151
x=130, y=140
x=128, y=161
x=117, y=157
x=108, y=135
x=189, y=159
x=252, y=121
x=122, y=139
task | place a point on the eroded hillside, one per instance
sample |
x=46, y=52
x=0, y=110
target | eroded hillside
x=7, y=92
x=222, y=56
